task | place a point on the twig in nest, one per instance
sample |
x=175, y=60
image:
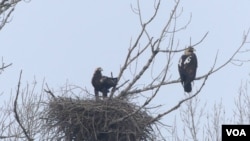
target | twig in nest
x=80, y=119
x=49, y=91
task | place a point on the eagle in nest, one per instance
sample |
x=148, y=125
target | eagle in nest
x=187, y=68
x=102, y=83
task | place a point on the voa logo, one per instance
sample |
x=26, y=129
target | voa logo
x=236, y=132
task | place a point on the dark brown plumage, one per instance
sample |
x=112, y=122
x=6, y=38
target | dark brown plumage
x=102, y=83
x=187, y=68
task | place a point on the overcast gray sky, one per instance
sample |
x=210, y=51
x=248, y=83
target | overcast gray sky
x=62, y=40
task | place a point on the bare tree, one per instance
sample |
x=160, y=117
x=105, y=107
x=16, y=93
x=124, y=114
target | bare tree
x=21, y=118
x=191, y=114
x=6, y=9
x=6, y=121
x=242, y=111
x=151, y=47
x=5, y=115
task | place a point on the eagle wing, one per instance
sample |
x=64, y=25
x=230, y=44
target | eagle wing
x=191, y=67
x=188, y=66
x=187, y=69
x=108, y=82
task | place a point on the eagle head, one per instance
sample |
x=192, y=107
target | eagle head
x=97, y=73
x=189, y=50
x=99, y=69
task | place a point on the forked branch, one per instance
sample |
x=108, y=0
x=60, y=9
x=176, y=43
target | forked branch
x=16, y=113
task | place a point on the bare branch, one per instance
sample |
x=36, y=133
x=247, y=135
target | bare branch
x=15, y=110
x=49, y=91
x=180, y=102
x=232, y=57
x=181, y=50
x=122, y=84
x=201, y=40
x=150, y=87
x=125, y=65
x=6, y=9
x=124, y=92
x=5, y=66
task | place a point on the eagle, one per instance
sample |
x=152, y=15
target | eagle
x=187, y=68
x=102, y=83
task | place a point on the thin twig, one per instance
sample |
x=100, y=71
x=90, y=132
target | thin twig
x=122, y=84
x=3, y=67
x=181, y=50
x=200, y=40
x=49, y=91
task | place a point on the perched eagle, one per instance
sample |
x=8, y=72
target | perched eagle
x=187, y=68
x=102, y=83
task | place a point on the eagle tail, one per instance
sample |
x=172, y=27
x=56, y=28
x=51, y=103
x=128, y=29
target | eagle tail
x=187, y=87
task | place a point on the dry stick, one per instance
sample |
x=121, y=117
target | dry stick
x=202, y=39
x=9, y=3
x=154, y=15
x=130, y=52
x=137, y=77
x=144, y=68
x=49, y=91
x=171, y=44
x=237, y=51
x=136, y=43
x=15, y=110
x=6, y=18
x=5, y=137
x=154, y=52
x=125, y=65
x=3, y=67
x=139, y=53
x=168, y=23
x=122, y=85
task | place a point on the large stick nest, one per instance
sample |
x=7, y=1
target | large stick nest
x=102, y=120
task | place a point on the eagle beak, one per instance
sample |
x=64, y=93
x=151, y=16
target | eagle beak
x=193, y=49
